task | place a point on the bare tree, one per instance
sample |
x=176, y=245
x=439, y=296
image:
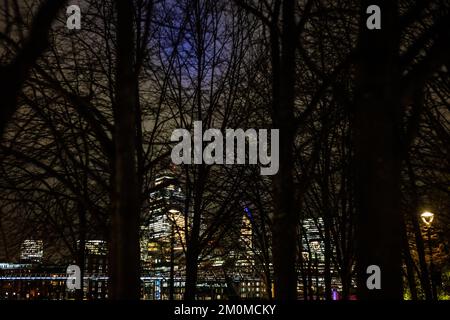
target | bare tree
x=15, y=72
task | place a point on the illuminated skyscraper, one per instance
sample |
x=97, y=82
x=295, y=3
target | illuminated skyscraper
x=96, y=252
x=163, y=229
x=166, y=208
x=246, y=241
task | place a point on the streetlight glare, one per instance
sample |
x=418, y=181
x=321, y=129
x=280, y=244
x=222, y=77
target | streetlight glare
x=427, y=217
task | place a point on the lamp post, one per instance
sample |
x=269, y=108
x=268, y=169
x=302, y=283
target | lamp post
x=427, y=218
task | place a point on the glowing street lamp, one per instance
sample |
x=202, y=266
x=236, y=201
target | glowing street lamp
x=427, y=218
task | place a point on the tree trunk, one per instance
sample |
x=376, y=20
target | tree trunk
x=284, y=233
x=346, y=279
x=409, y=265
x=303, y=270
x=79, y=293
x=377, y=155
x=268, y=281
x=193, y=245
x=125, y=264
x=327, y=220
x=191, y=272
x=310, y=277
x=328, y=254
x=424, y=275
x=172, y=263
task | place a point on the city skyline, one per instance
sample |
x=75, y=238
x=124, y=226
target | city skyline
x=273, y=150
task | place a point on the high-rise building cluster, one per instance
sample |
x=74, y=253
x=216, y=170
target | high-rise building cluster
x=224, y=272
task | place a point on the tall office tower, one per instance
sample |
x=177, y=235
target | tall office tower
x=32, y=251
x=96, y=254
x=163, y=228
x=247, y=253
x=96, y=266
